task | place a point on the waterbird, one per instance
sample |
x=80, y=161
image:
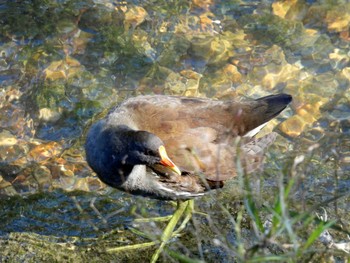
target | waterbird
x=179, y=148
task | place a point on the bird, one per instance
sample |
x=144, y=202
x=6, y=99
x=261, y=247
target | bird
x=179, y=148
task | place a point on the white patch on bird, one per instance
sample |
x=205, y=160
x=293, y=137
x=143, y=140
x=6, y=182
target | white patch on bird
x=255, y=131
x=179, y=194
x=124, y=159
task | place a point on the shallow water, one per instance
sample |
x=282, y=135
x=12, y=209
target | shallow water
x=63, y=64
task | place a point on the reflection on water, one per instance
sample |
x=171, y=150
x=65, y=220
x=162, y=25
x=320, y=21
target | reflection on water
x=63, y=64
x=59, y=214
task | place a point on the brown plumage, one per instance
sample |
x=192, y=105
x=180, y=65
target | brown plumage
x=199, y=135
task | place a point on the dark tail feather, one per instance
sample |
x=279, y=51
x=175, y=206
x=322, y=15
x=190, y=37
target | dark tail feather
x=275, y=103
x=265, y=109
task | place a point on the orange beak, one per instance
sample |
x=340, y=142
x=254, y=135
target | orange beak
x=165, y=160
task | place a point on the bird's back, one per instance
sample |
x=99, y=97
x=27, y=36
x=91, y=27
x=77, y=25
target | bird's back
x=200, y=135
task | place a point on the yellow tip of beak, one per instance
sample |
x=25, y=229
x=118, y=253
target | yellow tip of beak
x=165, y=160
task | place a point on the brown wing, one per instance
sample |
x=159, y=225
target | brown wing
x=199, y=134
